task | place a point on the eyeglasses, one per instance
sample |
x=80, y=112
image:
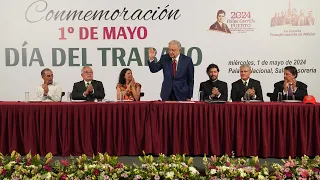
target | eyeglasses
x=88, y=72
x=49, y=75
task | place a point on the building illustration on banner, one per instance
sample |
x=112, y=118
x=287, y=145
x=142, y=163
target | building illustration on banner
x=293, y=22
x=293, y=17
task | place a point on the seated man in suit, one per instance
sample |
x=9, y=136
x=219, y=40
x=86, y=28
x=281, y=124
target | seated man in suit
x=290, y=87
x=246, y=86
x=87, y=89
x=214, y=89
x=49, y=90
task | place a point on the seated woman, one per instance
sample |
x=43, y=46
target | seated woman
x=131, y=89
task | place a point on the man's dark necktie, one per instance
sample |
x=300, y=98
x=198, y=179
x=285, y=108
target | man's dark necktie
x=290, y=90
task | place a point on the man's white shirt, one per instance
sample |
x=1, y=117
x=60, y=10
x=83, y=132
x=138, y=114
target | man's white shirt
x=54, y=93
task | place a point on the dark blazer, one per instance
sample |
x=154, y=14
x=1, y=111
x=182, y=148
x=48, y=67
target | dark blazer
x=182, y=84
x=79, y=88
x=238, y=89
x=300, y=93
x=207, y=86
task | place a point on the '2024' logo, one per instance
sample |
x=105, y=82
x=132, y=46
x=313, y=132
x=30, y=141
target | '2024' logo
x=240, y=15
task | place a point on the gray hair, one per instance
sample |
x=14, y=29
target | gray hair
x=245, y=66
x=175, y=42
x=84, y=67
x=44, y=70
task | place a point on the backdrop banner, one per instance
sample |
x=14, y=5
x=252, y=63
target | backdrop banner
x=112, y=35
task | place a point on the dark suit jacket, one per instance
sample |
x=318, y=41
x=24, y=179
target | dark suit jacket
x=207, y=86
x=300, y=93
x=238, y=89
x=79, y=88
x=182, y=84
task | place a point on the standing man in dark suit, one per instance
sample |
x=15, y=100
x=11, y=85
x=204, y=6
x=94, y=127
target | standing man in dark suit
x=214, y=89
x=246, y=86
x=178, y=73
x=290, y=87
x=87, y=89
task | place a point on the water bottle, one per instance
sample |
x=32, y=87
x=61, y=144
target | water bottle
x=26, y=97
x=200, y=95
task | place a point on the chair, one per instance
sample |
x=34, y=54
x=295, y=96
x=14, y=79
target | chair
x=62, y=94
x=141, y=95
x=270, y=95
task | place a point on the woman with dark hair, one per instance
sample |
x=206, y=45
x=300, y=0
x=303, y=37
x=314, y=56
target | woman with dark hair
x=128, y=86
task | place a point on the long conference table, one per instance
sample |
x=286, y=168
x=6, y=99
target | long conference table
x=128, y=128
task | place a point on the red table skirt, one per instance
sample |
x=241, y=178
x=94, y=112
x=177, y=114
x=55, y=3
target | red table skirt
x=263, y=129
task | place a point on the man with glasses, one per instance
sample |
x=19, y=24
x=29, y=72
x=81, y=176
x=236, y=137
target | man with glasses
x=178, y=73
x=49, y=90
x=87, y=89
